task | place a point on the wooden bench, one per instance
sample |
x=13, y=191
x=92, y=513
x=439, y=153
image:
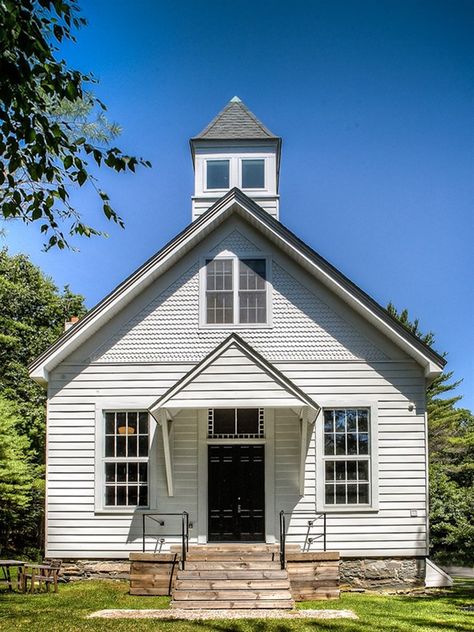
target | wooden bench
x=42, y=574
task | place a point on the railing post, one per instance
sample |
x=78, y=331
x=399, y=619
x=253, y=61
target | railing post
x=184, y=537
x=282, y=539
x=143, y=532
x=324, y=523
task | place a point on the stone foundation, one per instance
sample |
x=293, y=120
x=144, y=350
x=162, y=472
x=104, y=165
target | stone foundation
x=95, y=569
x=355, y=573
x=382, y=573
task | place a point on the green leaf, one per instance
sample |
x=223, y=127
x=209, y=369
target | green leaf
x=81, y=177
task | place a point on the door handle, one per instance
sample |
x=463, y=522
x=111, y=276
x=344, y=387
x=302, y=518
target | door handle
x=239, y=508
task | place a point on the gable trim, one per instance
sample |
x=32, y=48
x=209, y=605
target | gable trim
x=237, y=201
x=234, y=340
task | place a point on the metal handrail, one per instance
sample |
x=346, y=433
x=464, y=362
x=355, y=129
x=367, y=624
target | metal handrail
x=184, y=535
x=283, y=515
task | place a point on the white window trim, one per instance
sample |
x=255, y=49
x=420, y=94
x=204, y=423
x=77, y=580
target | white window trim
x=265, y=175
x=235, y=172
x=203, y=324
x=346, y=402
x=99, y=470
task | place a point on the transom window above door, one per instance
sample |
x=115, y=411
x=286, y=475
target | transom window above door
x=241, y=423
x=236, y=291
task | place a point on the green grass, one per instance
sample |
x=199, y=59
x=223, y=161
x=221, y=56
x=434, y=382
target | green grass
x=66, y=612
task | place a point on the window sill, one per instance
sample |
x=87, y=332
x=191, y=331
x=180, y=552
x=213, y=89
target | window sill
x=129, y=511
x=334, y=509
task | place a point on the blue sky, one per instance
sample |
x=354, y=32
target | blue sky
x=374, y=104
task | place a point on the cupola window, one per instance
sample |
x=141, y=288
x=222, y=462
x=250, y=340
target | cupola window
x=253, y=174
x=218, y=174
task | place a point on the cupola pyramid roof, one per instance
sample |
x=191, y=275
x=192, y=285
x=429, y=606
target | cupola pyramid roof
x=235, y=121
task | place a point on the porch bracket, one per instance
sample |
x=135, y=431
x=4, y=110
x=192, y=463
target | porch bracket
x=307, y=416
x=162, y=417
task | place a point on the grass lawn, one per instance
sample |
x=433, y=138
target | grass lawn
x=66, y=611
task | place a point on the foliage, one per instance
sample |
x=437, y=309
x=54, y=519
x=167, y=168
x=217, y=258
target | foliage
x=42, y=155
x=32, y=316
x=452, y=518
x=15, y=474
x=451, y=449
x=436, y=612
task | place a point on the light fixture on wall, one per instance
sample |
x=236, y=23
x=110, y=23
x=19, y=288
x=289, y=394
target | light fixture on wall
x=128, y=430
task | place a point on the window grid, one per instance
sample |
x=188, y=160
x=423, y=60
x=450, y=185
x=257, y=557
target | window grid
x=219, y=291
x=126, y=458
x=346, y=434
x=241, y=301
x=235, y=435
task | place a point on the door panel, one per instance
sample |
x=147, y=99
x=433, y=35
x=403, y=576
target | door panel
x=236, y=498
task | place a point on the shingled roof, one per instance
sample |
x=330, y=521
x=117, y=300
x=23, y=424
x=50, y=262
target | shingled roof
x=235, y=121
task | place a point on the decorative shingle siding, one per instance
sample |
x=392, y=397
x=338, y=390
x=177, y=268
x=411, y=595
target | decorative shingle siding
x=304, y=327
x=236, y=243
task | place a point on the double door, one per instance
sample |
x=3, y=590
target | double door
x=236, y=493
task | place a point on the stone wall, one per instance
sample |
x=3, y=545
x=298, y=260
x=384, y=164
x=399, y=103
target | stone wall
x=95, y=569
x=382, y=573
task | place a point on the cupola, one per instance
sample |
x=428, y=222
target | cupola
x=236, y=150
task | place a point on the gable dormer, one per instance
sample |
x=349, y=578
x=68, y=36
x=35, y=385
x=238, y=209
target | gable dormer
x=236, y=150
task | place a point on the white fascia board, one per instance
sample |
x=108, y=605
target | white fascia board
x=158, y=264
x=431, y=368
x=170, y=399
x=124, y=293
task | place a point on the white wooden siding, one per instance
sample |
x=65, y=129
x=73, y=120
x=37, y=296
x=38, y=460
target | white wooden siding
x=74, y=530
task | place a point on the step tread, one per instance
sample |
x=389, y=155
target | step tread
x=229, y=565
x=234, y=605
x=230, y=595
x=232, y=584
x=240, y=574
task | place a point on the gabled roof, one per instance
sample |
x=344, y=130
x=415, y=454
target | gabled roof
x=237, y=122
x=263, y=384
x=236, y=202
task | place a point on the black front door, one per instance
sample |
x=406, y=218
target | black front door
x=236, y=493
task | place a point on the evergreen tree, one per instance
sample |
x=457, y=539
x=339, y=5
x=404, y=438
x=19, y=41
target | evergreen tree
x=451, y=451
x=16, y=477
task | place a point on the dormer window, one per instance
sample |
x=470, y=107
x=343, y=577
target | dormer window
x=236, y=291
x=218, y=174
x=253, y=174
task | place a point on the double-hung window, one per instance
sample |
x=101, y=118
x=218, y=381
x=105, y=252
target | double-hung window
x=347, y=456
x=236, y=291
x=125, y=460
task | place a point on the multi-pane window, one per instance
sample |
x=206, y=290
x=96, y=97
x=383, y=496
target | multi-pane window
x=219, y=291
x=126, y=458
x=252, y=291
x=253, y=174
x=347, y=456
x=227, y=423
x=217, y=174
x=236, y=291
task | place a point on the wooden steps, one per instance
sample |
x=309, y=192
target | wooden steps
x=232, y=577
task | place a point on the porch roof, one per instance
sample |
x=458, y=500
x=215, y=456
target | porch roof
x=234, y=375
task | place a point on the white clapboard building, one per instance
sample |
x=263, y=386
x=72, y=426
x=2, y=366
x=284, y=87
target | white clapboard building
x=235, y=375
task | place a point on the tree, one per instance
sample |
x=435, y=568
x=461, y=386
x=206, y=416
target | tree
x=32, y=316
x=16, y=480
x=451, y=450
x=42, y=156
